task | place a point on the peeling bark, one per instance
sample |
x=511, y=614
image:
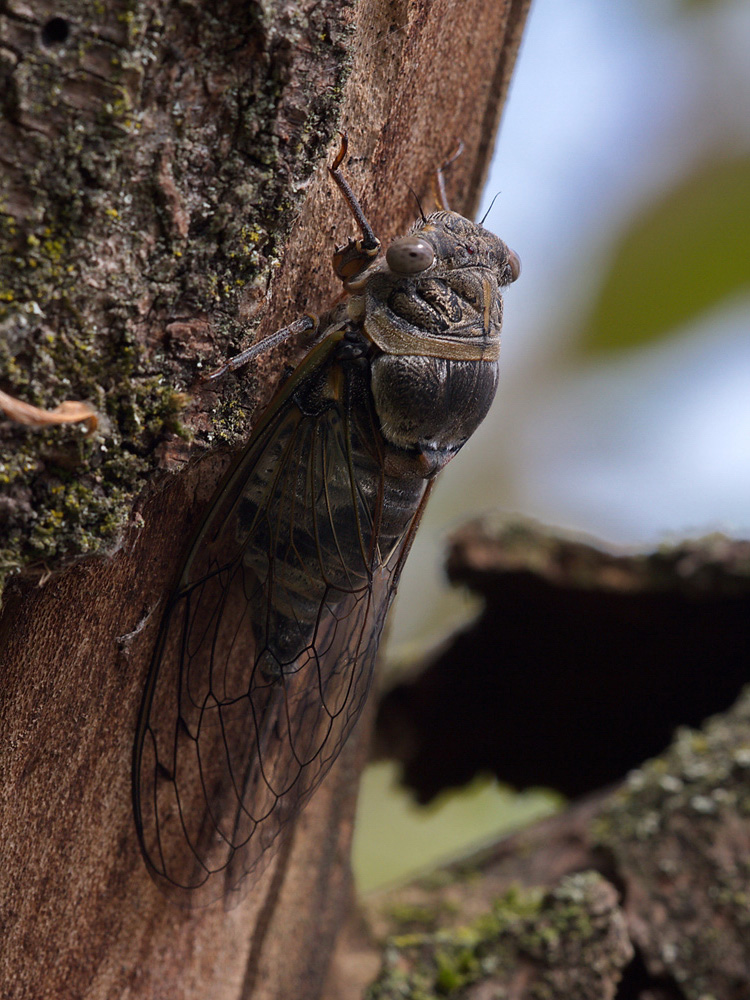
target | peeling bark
x=581, y=665
x=160, y=163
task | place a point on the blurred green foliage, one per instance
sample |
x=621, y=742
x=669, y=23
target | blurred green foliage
x=682, y=256
x=395, y=838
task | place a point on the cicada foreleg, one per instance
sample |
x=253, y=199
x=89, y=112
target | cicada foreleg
x=354, y=257
x=440, y=194
x=304, y=324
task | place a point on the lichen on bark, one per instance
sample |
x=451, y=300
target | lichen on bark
x=678, y=832
x=153, y=157
x=568, y=941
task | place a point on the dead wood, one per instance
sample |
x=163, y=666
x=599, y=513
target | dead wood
x=580, y=660
x=640, y=893
x=582, y=664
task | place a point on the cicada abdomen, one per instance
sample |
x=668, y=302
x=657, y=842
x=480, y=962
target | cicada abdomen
x=267, y=645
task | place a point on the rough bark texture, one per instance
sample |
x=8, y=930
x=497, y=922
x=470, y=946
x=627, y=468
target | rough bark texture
x=568, y=942
x=673, y=840
x=155, y=158
x=678, y=834
x=639, y=894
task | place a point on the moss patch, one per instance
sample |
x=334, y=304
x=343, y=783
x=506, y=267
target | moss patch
x=572, y=938
x=162, y=153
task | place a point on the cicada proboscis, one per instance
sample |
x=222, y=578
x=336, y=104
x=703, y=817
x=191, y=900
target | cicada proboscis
x=267, y=644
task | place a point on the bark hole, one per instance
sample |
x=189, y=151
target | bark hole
x=55, y=32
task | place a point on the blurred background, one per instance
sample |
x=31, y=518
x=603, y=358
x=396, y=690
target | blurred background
x=623, y=412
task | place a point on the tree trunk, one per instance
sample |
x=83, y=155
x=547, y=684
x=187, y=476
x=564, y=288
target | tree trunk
x=156, y=161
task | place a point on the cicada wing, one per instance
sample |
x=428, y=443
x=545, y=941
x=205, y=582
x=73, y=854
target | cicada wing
x=267, y=646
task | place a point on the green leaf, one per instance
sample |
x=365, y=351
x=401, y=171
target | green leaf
x=680, y=258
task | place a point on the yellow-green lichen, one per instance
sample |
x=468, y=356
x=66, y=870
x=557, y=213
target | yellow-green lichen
x=551, y=930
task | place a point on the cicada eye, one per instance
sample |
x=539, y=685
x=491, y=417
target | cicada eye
x=514, y=262
x=409, y=255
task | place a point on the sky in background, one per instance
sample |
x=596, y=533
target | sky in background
x=611, y=106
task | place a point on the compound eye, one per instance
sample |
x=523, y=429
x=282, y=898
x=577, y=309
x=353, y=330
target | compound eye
x=409, y=255
x=514, y=262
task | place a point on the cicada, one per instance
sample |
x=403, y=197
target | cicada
x=266, y=649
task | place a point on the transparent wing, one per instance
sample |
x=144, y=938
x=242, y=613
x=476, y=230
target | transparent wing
x=266, y=649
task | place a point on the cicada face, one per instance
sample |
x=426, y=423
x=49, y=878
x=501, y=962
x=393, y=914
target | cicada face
x=267, y=645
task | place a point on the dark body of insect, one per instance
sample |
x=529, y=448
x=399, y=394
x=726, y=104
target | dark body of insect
x=267, y=645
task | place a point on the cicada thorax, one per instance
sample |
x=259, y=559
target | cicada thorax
x=438, y=331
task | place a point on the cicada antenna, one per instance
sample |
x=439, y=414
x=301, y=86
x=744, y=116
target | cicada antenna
x=481, y=221
x=419, y=203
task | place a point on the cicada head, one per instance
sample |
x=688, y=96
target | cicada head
x=459, y=243
x=434, y=309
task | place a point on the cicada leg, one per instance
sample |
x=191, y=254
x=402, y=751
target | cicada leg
x=305, y=323
x=440, y=195
x=354, y=257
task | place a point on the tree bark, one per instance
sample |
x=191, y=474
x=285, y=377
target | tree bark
x=638, y=893
x=582, y=662
x=581, y=665
x=156, y=161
